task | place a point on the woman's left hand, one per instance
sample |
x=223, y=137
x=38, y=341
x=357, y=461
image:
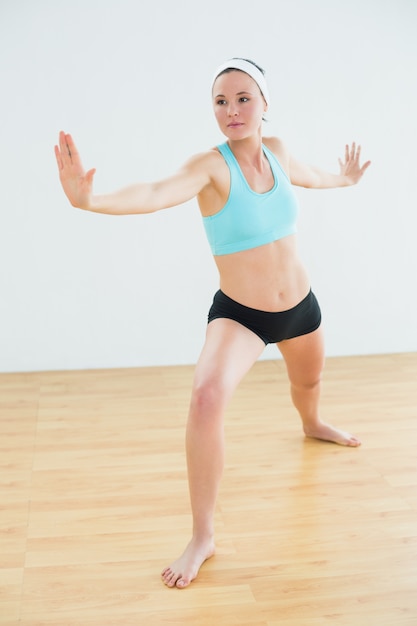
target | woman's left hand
x=350, y=168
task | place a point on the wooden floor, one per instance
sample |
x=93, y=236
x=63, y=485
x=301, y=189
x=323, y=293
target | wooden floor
x=94, y=502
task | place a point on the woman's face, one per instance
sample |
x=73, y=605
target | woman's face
x=238, y=105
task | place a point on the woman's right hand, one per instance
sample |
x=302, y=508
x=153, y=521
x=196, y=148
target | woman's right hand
x=76, y=183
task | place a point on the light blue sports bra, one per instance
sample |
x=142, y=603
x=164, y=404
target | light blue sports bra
x=250, y=219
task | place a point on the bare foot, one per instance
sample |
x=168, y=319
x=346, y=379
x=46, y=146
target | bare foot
x=185, y=569
x=328, y=433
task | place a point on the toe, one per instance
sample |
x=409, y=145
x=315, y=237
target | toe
x=171, y=580
x=167, y=577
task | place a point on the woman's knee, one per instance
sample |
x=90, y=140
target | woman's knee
x=307, y=383
x=209, y=398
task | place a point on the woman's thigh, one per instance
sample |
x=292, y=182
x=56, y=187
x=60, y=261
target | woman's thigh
x=228, y=353
x=304, y=357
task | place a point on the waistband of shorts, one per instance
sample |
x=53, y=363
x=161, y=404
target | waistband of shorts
x=235, y=302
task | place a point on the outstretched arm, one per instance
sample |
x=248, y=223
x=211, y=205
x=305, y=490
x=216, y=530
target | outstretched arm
x=140, y=198
x=350, y=173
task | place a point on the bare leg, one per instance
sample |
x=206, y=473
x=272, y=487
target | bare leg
x=229, y=352
x=304, y=357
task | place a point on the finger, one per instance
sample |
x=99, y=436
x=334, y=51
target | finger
x=58, y=158
x=365, y=166
x=347, y=152
x=358, y=153
x=69, y=152
x=65, y=151
x=62, y=141
x=90, y=175
x=71, y=147
x=352, y=150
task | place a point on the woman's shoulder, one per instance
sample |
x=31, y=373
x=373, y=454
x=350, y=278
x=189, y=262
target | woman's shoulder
x=212, y=161
x=278, y=149
x=207, y=158
x=209, y=169
x=203, y=165
x=275, y=145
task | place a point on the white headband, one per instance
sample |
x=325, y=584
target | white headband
x=248, y=68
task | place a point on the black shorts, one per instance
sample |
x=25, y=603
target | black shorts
x=301, y=319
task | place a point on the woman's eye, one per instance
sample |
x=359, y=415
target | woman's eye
x=221, y=101
x=244, y=99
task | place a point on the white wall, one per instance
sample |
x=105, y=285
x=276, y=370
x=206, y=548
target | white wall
x=131, y=81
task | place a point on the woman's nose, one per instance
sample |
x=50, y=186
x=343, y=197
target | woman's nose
x=232, y=110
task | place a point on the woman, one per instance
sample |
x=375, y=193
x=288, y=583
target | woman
x=249, y=210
